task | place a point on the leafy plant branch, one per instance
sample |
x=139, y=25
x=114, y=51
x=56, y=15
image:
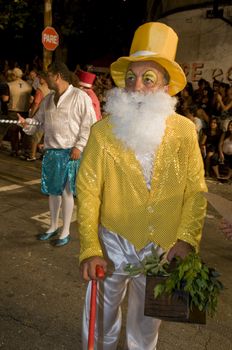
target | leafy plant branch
x=190, y=275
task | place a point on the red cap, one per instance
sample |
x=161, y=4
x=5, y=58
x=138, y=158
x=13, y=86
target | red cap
x=86, y=78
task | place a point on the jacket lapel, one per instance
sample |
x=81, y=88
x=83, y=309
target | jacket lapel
x=126, y=160
x=165, y=157
x=166, y=161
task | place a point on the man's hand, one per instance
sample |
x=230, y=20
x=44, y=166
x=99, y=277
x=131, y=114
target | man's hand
x=21, y=121
x=181, y=249
x=88, y=267
x=75, y=153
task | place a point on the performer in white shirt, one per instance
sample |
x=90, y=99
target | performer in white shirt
x=65, y=115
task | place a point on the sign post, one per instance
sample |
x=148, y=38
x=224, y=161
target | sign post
x=50, y=38
x=50, y=41
x=47, y=55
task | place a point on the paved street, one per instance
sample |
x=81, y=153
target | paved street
x=41, y=293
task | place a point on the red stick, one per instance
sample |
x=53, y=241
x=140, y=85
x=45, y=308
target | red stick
x=93, y=302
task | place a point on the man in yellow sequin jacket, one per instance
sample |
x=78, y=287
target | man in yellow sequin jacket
x=139, y=186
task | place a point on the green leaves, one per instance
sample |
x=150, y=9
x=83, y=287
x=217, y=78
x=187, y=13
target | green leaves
x=152, y=265
x=190, y=275
x=194, y=277
x=159, y=289
x=134, y=270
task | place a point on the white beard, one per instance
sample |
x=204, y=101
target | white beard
x=139, y=121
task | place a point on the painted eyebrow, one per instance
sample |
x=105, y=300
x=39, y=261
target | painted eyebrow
x=150, y=73
x=130, y=73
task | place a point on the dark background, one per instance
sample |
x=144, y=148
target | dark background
x=91, y=31
x=100, y=30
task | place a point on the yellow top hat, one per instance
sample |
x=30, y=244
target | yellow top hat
x=156, y=42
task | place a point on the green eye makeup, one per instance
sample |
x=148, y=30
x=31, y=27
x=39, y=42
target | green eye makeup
x=150, y=76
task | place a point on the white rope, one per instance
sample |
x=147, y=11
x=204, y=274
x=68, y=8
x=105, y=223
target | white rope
x=8, y=121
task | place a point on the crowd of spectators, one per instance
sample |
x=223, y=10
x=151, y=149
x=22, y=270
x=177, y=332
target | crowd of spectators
x=21, y=91
x=209, y=107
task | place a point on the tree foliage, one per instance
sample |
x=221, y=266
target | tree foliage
x=88, y=29
x=18, y=14
x=21, y=23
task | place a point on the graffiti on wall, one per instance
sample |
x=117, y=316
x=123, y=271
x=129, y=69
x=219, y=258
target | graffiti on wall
x=197, y=70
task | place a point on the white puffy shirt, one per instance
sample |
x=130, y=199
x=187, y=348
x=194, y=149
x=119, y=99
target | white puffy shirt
x=68, y=124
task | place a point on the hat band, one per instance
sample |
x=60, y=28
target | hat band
x=143, y=53
x=85, y=84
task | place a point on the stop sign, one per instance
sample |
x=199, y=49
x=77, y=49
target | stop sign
x=50, y=38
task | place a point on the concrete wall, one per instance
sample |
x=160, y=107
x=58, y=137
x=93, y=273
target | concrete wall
x=205, y=45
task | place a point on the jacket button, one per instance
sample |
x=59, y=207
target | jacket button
x=150, y=209
x=151, y=228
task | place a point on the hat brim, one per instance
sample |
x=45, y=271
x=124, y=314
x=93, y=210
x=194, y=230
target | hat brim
x=177, y=77
x=87, y=85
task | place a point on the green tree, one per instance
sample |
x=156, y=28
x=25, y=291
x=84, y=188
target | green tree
x=21, y=24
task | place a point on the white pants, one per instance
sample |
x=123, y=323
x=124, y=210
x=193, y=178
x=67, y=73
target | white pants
x=141, y=331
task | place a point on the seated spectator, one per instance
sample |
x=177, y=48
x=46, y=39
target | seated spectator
x=201, y=114
x=226, y=108
x=191, y=113
x=219, y=97
x=209, y=147
x=206, y=99
x=214, y=102
x=185, y=96
x=225, y=149
x=223, y=87
x=198, y=93
x=216, y=84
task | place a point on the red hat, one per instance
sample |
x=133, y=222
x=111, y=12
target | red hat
x=86, y=78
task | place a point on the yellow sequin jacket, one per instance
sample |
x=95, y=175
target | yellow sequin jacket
x=111, y=190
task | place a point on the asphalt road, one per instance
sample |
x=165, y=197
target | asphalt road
x=41, y=293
